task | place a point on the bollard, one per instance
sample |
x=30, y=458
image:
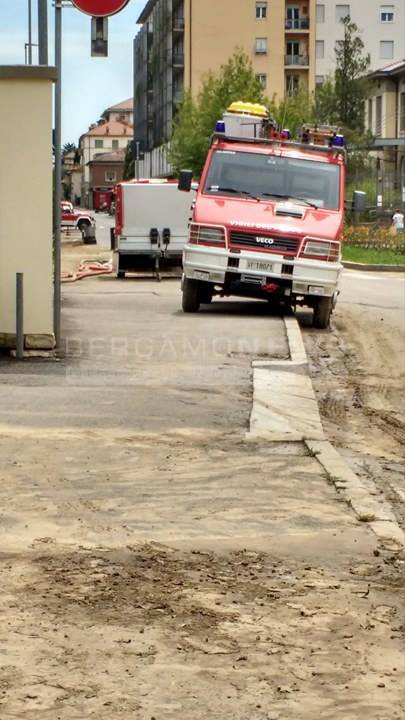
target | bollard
x=19, y=333
x=89, y=235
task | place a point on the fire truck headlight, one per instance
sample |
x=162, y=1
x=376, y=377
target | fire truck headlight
x=328, y=250
x=207, y=234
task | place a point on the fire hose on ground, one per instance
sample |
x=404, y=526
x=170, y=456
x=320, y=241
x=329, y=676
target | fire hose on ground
x=88, y=268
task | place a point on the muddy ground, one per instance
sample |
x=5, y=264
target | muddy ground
x=201, y=576
x=358, y=372
x=151, y=632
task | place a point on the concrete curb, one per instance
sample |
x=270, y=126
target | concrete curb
x=285, y=409
x=373, y=268
x=366, y=507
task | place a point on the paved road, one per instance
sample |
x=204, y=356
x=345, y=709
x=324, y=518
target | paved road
x=384, y=292
x=135, y=360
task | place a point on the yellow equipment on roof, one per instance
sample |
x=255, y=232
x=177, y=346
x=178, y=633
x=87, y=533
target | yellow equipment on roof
x=246, y=108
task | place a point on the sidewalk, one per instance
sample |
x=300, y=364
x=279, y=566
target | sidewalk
x=158, y=562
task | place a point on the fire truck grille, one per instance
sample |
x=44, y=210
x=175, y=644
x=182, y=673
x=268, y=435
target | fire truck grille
x=262, y=242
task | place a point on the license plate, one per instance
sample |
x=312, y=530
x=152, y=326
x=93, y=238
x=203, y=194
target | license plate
x=201, y=275
x=259, y=266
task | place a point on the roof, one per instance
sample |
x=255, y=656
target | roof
x=124, y=105
x=112, y=128
x=393, y=68
x=118, y=156
x=146, y=11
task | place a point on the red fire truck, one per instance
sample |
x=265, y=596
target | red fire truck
x=268, y=216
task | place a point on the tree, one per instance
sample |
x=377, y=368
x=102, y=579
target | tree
x=293, y=112
x=129, y=164
x=341, y=98
x=325, y=107
x=196, y=119
x=68, y=147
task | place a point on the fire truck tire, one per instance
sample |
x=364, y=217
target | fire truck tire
x=121, y=274
x=191, y=296
x=322, y=312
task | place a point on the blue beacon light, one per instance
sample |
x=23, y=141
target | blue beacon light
x=339, y=141
x=220, y=126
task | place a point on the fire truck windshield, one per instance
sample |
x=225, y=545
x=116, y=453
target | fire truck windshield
x=266, y=176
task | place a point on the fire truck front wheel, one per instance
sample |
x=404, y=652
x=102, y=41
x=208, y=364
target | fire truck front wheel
x=322, y=312
x=191, y=295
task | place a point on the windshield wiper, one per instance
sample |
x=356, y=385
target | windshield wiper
x=291, y=197
x=219, y=188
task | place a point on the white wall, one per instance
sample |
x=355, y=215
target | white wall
x=366, y=15
x=26, y=199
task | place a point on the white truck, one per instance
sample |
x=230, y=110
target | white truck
x=151, y=226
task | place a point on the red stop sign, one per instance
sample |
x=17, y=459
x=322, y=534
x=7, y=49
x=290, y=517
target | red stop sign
x=100, y=8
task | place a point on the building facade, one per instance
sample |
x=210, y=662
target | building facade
x=181, y=40
x=106, y=170
x=112, y=133
x=381, y=27
x=385, y=118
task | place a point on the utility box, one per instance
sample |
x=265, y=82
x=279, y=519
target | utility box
x=26, y=202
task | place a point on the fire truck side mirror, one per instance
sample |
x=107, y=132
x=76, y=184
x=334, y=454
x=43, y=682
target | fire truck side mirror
x=359, y=201
x=185, y=180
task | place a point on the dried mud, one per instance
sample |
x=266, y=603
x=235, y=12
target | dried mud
x=152, y=632
x=358, y=372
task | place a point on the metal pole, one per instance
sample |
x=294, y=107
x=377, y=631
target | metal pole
x=42, y=32
x=29, y=32
x=58, y=176
x=137, y=156
x=19, y=324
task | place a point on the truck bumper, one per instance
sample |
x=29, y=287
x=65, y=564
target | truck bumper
x=298, y=276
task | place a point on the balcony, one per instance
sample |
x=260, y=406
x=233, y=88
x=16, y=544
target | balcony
x=178, y=25
x=296, y=61
x=178, y=59
x=297, y=24
x=178, y=95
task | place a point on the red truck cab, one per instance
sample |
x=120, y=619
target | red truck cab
x=267, y=221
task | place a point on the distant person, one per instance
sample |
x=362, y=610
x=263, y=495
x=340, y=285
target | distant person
x=398, y=221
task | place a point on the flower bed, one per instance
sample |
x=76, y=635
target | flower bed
x=374, y=237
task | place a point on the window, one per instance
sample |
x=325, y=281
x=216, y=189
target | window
x=99, y=143
x=402, y=114
x=320, y=48
x=111, y=176
x=387, y=13
x=292, y=84
x=261, y=10
x=262, y=78
x=342, y=11
x=386, y=49
x=319, y=79
x=320, y=13
x=370, y=115
x=378, y=116
x=250, y=173
x=261, y=46
x=115, y=144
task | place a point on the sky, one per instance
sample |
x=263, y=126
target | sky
x=89, y=85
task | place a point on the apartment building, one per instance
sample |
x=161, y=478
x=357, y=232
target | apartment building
x=381, y=27
x=385, y=116
x=181, y=40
